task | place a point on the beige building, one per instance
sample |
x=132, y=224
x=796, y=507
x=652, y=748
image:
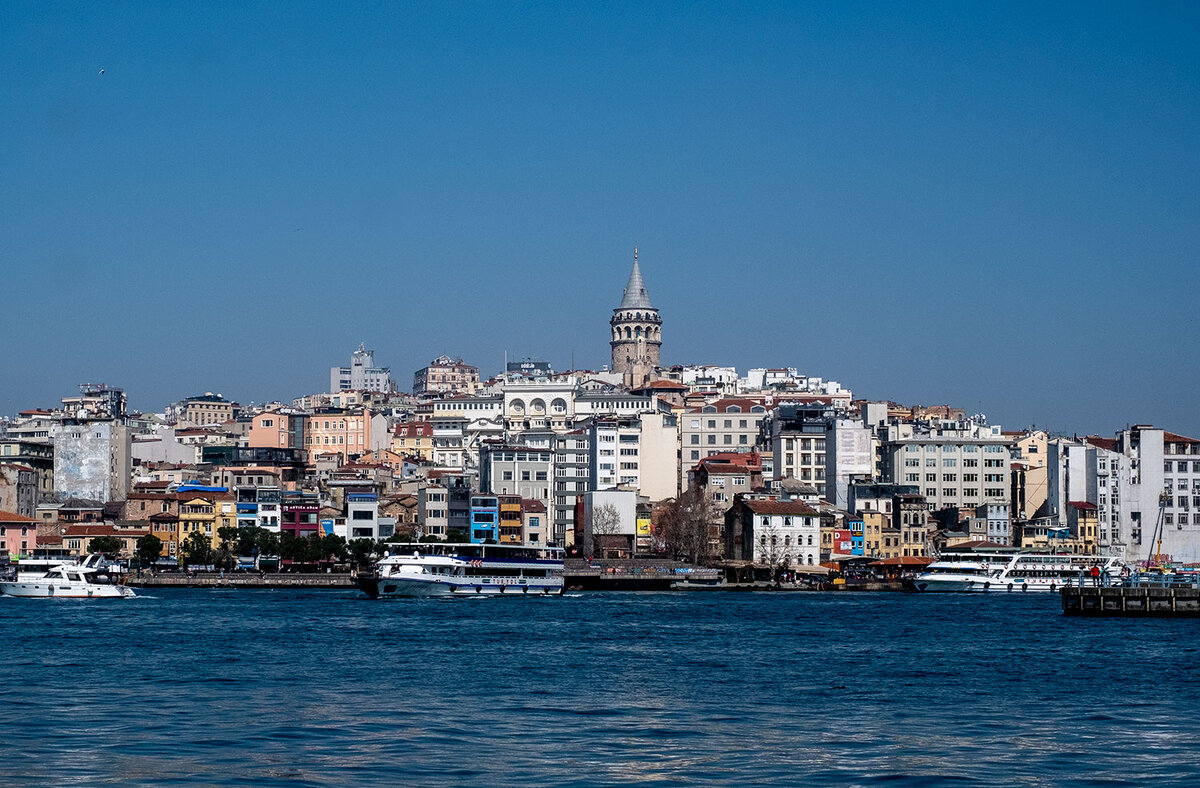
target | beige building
x=1030, y=482
x=207, y=409
x=447, y=375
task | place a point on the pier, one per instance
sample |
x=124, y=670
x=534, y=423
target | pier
x=1151, y=597
x=634, y=575
x=243, y=580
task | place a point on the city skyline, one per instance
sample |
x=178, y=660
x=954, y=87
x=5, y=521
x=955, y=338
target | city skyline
x=986, y=207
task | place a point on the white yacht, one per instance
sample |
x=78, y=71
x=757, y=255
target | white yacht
x=466, y=570
x=1015, y=571
x=91, y=578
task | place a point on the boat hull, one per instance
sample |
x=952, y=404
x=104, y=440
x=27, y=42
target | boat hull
x=408, y=587
x=42, y=590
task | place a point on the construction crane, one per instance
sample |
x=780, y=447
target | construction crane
x=1152, y=560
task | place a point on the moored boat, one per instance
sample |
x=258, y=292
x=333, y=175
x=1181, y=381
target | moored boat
x=1015, y=571
x=91, y=578
x=434, y=569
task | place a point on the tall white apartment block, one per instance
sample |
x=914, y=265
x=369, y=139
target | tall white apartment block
x=361, y=375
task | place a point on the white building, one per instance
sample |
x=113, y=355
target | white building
x=1158, y=470
x=639, y=453
x=960, y=464
x=773, y=533
x=92, y=460
x=849, y=457
x=362, y=374
x=514, y=469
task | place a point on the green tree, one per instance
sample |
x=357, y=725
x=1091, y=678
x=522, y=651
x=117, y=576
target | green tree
x=292, y=547
x=109, y=545
x=228, y=534
x=361, y=551
x=197, y=549
x=148, y=549
x=333, y=548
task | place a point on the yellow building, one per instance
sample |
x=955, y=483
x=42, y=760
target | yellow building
x=512, y=526
x=414, y=439
x=197, y=513
x=874, y=524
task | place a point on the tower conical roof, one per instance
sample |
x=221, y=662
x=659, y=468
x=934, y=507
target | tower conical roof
x=636, y=296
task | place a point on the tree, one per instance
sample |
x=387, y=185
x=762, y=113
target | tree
x=361, y=551
x=606, y=523
x=108, y=545
x=771, y=551
x=148, y=549
x=197, y=549
x=685, y=524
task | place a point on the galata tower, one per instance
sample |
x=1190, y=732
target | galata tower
x=636, y=332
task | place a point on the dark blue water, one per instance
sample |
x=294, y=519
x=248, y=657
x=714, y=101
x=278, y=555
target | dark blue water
x=327, y=688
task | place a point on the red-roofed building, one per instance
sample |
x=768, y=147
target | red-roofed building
x=730, y=424
x=18, y=533
x=414, y=438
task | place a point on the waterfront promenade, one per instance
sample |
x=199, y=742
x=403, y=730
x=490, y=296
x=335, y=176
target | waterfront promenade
x=243, y=580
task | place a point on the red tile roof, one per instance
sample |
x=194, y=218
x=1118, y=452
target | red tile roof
x=13, y=517
x=1103, y=443
x=779, y=507
x=904, y=560
x=974, y=544
x=1082, y=506
x=101, y=529
x=723, y=404
x=1170, y=437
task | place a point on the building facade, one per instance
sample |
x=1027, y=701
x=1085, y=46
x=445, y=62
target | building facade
x=446, y=375
x=362, y=374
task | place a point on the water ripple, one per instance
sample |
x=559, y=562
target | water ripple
x=322, y=689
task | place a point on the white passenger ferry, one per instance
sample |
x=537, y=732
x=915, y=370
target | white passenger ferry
x=466, y=570
x=92, y=578
x=1015, y=571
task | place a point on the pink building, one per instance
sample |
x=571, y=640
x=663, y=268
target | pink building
x=275, y=429
x=344, y=432
x=18, y=534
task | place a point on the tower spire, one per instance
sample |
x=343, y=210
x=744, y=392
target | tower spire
x=635, y=296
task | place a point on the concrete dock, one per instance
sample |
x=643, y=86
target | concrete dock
x=1157, y=598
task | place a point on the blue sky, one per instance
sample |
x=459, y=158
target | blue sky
x=993, y=206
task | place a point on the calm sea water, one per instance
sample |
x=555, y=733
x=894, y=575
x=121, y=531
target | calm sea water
x=327, y=688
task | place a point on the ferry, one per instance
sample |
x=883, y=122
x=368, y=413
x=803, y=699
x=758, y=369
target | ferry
x=92, y=578
x=460, y=569
x=1015, y=571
